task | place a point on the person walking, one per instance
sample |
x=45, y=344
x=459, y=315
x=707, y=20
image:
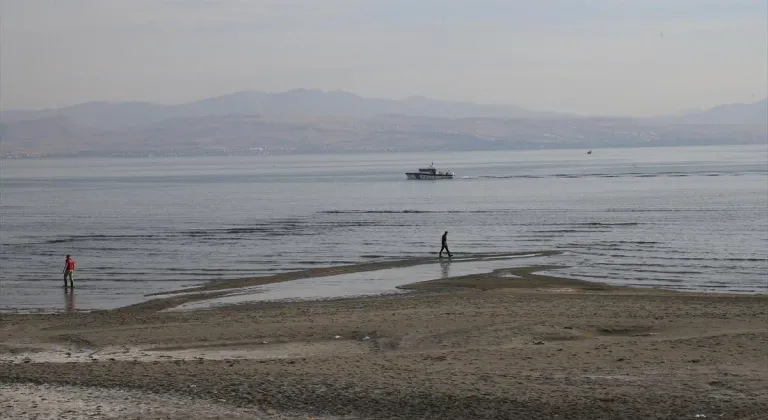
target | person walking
x=69, y=271
x=445, y=246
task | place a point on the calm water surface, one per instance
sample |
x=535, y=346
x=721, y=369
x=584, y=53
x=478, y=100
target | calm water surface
x=685, y=218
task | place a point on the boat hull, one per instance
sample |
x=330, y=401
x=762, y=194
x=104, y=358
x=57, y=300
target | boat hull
x=427, y=176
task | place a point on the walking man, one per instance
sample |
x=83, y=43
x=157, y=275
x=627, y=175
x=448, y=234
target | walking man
x=69, y=271
x=445, y=246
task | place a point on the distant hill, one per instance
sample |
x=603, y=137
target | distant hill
x=754, y=113
x=294, y=103
x=248, y=135
x=104, y=115
x=50, y=134
x=317, y=121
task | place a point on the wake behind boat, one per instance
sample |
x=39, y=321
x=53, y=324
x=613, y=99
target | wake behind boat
x=429, y=173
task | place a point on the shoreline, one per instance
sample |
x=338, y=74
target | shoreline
x=359, y=267
x=527, y=276
x=221, y=288
x=516, y=277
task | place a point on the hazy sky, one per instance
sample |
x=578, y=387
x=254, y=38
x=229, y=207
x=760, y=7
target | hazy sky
x=638, y=57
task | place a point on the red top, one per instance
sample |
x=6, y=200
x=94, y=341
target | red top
x=70, y=264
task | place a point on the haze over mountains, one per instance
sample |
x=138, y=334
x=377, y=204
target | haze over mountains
x=295, y=103
x=755, y=113
x=316, y=121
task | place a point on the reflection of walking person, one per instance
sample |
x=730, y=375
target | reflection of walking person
x=445, y=268
x=445, y=246
x=69, y=271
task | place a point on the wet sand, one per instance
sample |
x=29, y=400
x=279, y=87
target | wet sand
x=58, y=402
x=509, y=344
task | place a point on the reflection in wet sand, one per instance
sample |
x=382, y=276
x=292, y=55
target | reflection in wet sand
x=445, y=267
x=69, y=300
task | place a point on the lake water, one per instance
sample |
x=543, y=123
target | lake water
x=686, y=218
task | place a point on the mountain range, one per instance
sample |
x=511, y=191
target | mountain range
x=314, y=120
x=294, y=103
x=754, y=113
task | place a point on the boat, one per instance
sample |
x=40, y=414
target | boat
x=429, y=173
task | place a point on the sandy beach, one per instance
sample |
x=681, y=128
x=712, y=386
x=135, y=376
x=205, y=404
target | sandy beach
x=511, y=344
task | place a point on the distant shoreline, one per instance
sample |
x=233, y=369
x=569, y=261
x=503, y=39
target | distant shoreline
x=154, y=155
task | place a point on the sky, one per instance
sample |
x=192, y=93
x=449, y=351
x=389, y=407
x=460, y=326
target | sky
x=592, y=57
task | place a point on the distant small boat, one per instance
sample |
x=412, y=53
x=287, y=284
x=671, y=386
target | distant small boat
x=589, y=152
x=429, y=173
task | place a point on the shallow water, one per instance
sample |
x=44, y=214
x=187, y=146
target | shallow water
x=365, y=283
x=688, y=218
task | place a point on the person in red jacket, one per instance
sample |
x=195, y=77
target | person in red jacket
x=69, y=271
